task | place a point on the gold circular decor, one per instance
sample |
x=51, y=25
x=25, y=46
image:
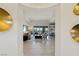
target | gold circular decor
x=5, y=20
x=76, y=9
x=75, y=33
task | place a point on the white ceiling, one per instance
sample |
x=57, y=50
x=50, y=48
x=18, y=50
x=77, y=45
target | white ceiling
x=35, y=12
x=39, y=13
x=39, y=5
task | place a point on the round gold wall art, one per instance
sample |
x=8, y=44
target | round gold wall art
x=75, y=33
x=5, y=20
x=76, y=9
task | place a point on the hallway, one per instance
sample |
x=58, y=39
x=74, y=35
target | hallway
x=18, y=21
x=39, y=47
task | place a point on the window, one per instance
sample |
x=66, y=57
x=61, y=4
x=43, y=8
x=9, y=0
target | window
x=25, y=28
x=41, y=29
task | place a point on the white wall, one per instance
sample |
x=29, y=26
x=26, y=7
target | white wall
x=21, y=22
x=11, y=42
x=57, y=17
x=68, y=46
x=40, y=23
x=8, y=39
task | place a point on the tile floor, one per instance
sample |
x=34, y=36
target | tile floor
x=38, y=47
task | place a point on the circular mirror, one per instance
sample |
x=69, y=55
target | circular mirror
x=5, y=20
x=76, y=9
x=75, y=33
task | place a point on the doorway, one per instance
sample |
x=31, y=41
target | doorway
x=40, y=41
x=39, y=38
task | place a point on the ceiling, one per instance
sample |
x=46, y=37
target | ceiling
x=39, y=5
x=39, y=14
x=39, y=11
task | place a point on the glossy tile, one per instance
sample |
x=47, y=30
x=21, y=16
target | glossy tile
x=38, y=47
